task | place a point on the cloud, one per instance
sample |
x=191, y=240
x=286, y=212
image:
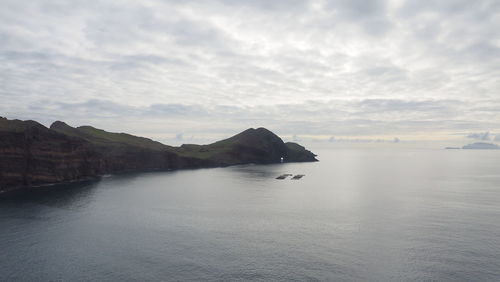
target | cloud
x=362, y=140
x=339, y=67
x=370, y=16
x=339, y=117
x=387, y=105
x=480, y=136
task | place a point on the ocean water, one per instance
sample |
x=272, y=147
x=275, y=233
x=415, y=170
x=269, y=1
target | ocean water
x=357, y=215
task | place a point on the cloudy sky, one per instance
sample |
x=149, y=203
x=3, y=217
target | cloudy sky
x=199, y=70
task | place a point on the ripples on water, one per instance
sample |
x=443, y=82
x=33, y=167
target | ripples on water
x=358, y=215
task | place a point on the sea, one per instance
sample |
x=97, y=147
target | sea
x=359, y=214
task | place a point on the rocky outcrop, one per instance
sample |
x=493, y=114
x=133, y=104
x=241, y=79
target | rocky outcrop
x=31, y=154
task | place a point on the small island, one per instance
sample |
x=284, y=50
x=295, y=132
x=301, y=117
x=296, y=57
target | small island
x=481, y=146
x=33, y=155
x=477, y=146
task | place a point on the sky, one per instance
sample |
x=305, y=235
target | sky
x=195, y=71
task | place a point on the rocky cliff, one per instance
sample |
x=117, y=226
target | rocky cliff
x=32, y=154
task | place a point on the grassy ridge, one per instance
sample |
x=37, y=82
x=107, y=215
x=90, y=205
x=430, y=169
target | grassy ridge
x=102, y=137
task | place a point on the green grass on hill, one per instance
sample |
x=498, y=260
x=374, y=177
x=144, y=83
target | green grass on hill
x=102, y=137
x=123, y=138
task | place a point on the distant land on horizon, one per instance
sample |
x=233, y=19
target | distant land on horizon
x=481, y=146
x=477, y=146
x=32, y=154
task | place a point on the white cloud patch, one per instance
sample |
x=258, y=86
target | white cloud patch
x=363, y=140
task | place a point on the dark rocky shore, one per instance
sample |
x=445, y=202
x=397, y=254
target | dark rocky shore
x=32, y=154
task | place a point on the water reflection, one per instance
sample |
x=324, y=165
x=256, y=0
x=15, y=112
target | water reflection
x=63, y=196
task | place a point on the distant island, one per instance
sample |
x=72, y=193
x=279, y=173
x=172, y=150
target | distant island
x=481, y=146
x=477, y=146
x=32, y=154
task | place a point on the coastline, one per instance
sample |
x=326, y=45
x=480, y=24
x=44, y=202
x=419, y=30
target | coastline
x=97, y=178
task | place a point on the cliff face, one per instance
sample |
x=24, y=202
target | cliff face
x=121, y=152
x=31, y=154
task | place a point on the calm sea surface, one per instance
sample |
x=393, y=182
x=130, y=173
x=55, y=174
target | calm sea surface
x=357, y=215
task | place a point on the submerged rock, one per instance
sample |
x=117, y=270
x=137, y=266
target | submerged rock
x=283, y=176
x=298, y=176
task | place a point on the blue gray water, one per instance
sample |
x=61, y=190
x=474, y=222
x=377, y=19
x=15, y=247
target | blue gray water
x=358, y=215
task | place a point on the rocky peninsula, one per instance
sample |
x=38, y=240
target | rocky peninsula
x=32, y=154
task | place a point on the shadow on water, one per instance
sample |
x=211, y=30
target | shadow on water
x=58, y=195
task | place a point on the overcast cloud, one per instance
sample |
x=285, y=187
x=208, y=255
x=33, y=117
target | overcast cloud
x=209, y=68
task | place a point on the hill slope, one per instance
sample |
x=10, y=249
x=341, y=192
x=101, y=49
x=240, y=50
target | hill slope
x=101, y=137
x=250, y=146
